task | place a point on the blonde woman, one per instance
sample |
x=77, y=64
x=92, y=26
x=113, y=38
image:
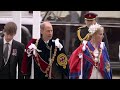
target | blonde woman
x=91, y=60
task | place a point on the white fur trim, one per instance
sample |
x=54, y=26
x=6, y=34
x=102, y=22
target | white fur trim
x=80, y=55
x=84, y=45
x=102, y=45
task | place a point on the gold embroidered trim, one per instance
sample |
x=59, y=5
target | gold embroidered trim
x=62, y=60
x=50, y=64
x=80, y=38
x=91, y=52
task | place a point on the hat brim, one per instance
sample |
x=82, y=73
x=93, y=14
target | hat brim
x=89, y=19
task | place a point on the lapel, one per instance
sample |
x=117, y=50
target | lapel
x=1, y=46
x=1, y=52
x=13, y=51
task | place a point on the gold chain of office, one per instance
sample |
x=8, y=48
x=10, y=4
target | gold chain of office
x=52, y=59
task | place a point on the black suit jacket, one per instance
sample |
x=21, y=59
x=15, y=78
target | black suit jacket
x=15, y=58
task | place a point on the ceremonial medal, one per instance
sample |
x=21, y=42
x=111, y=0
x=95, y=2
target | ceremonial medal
x=107, y=66
x=62, y=60
x=14, y=52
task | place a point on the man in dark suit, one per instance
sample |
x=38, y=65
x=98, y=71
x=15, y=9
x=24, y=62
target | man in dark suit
x=11, y=53
x=82, y=32
x=50, y=60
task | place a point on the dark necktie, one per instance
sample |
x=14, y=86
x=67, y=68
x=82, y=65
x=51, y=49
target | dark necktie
x=6, y=53
x=46, y=44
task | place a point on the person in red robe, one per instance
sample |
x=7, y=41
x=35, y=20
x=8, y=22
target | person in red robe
x=91, y=60
x=50, y=60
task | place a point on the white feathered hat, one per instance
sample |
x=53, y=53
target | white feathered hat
x=93, y=28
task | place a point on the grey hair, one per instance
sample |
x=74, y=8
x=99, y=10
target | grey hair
x=42, y=26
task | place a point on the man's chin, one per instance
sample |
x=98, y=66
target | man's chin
x=50, y=38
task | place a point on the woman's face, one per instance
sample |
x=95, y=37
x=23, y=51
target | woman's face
x=99, y=36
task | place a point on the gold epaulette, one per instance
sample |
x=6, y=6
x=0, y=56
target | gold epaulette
x=78, y=34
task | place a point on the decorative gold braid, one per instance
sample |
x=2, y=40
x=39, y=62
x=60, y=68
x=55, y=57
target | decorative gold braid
x=91, y=52
x=52, y=60
x=53, y=57
x=80, y=38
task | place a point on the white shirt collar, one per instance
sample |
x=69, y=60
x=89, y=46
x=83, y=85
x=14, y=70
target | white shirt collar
x=46, y=41
x=10, y=42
